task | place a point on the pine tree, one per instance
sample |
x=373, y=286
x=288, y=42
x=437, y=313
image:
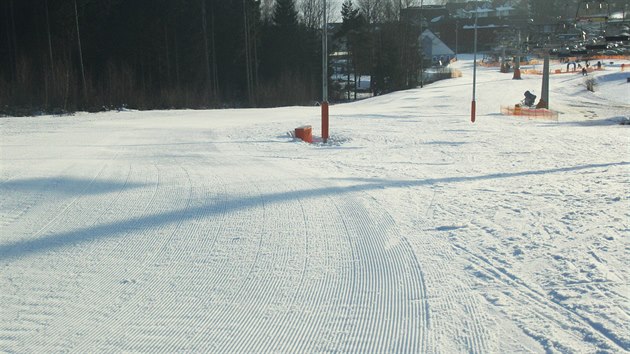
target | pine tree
x=352, y=18
x=285, y=15
x=354, y=30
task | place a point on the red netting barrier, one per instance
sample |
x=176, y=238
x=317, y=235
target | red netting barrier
x=532, y=113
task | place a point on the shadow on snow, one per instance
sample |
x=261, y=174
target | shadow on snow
x=65, y=185
x=23, y=248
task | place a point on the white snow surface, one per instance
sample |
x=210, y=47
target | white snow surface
x=411, y=230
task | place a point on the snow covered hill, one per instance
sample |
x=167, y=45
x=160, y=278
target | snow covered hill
x=411, y=231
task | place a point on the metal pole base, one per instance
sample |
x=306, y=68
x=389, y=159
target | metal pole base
x=325, y=121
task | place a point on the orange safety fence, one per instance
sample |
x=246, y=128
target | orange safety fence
x=456, y=73
x=531, y=71
x=559, y=71
x=531, y=113
x=496, y=64
x=607, y=57
x=578, y=71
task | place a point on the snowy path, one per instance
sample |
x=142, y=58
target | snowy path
x=166, y=253
x=413, y=232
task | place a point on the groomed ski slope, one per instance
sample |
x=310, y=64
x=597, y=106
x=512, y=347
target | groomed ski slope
x=411, y=231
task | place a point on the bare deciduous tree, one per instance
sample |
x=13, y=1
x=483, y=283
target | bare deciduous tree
x=312, y=12
x=266, y=9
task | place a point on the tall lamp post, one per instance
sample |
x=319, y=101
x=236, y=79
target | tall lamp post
x=456, y=38
x=473, y=108
x=325, y=75
x=422, y=48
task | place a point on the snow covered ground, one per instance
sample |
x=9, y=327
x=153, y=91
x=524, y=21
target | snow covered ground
x=411, y=231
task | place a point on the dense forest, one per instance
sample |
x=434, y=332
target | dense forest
x=66, y=55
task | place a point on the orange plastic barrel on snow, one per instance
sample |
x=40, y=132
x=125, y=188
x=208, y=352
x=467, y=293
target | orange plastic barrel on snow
x=305, y=133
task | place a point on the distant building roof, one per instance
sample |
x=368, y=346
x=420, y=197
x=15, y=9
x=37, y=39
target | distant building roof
x=416, y=14
x=437, y=48
x=484, y=26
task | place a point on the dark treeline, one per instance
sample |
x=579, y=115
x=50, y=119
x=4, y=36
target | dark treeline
x=66, y=55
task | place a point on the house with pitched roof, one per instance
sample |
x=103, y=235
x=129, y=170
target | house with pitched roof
x=435, y=49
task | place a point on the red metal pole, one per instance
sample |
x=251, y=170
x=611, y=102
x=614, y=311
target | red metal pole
x=325, y=121
x=473, y=111
x=325, y=75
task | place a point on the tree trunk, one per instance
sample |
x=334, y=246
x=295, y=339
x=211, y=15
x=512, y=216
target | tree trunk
x=13, y=41
x=167, y=54
x=50, y=52
x=215, y=70
x=176, y=61
x=49, y=79
x=355, y=83
x=76, y=17
x=348, y=72
x=255, y=64
x=248, y=67
x=204, y=26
